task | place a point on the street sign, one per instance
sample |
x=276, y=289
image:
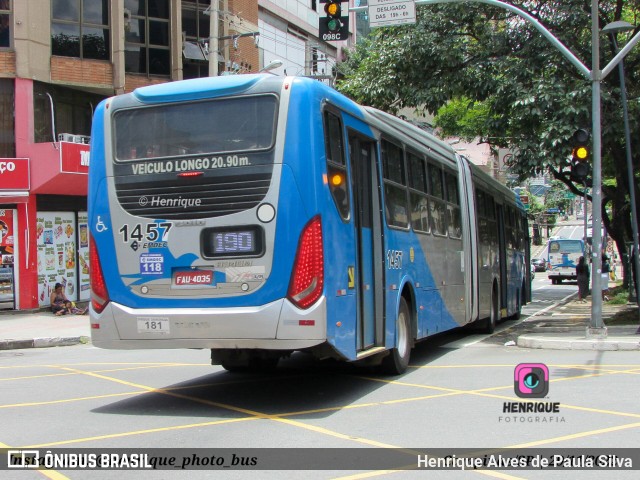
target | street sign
x=384, y=13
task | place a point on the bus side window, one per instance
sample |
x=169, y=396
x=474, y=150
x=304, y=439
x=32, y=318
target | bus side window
x=336, y=165
x=454, y=219
x=437, y=206
x=395, y=190
x=418, y=193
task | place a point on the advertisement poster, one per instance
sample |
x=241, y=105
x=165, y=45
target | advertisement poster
x=7, y=258
x=6, y=236
x=61, y=255
x=83, y=256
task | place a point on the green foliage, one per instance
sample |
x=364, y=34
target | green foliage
x=486, y=72
x=463, y=118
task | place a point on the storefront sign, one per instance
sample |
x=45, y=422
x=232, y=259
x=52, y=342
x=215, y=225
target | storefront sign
x=74, y=157
x=14, y=174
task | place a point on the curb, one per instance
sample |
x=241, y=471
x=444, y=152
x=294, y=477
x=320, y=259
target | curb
x=560, y=343
x=44, y=342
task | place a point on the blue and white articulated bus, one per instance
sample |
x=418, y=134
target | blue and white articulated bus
x=257, y=215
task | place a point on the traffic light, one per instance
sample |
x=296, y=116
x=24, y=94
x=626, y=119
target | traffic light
x=580, y=166
x=334, y=27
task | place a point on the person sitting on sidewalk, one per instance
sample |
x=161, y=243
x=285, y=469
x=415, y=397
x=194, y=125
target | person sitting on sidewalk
x=61, y=305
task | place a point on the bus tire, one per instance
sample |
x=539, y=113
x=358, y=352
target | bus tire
x=397, y=360
x=489, y=323
x=520, y=299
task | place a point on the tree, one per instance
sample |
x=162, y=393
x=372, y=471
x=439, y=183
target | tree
x=532, y=97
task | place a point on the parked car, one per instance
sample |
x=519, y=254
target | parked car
x=539, y=264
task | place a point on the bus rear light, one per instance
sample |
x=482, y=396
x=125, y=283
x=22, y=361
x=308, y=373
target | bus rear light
x=307, y=279
x=99, y=294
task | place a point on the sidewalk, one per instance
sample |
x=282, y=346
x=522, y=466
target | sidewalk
x=566, y=328
x=42, y=329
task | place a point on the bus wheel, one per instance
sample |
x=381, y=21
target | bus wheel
x=520, y=301
x=398, y=359
x=489, y=323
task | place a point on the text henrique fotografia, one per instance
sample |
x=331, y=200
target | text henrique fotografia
x=531, y=380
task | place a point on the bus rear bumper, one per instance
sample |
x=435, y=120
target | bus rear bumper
x=275, y=326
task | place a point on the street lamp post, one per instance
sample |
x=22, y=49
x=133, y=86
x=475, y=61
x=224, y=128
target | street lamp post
x=612, y=29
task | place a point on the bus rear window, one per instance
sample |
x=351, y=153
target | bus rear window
x=215, y=126
x=567, y=246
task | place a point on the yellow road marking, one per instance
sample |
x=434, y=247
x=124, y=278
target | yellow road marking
x=139, y=432
x=253, y=415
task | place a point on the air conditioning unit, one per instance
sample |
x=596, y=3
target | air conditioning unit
x=69, y=137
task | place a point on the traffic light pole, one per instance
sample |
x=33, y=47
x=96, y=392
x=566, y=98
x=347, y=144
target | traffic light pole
x=596, y=328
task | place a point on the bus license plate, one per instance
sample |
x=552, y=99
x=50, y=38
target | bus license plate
x=154, y=325
x=193, y=277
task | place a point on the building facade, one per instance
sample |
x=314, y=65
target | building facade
x=60, y=58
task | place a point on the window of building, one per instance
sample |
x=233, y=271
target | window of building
x=195, y=30
x=80, y=28
x=7, y=130
x=72, y=111
x=147, y=37
x=5, y=23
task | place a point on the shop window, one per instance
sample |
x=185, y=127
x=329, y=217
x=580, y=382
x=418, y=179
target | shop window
x=5, y=23
x=80, y=28
x=147, y=36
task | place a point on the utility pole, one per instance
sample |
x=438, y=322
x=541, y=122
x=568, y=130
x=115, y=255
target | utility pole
x=214, y=22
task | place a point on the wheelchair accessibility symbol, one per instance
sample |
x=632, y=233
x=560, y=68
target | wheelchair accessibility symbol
x=100, y=226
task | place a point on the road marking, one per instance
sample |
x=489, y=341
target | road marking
x=597, y=370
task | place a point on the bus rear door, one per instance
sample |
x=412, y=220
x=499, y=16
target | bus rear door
x=368, y=233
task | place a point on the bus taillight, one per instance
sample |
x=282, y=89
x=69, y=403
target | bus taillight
x=307, y=279
x=99, y=294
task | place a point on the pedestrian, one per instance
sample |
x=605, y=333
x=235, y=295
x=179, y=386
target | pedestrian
x=606, y=268
x=582, y=273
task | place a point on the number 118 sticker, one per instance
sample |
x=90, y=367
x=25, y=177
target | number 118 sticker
x=151, y=264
